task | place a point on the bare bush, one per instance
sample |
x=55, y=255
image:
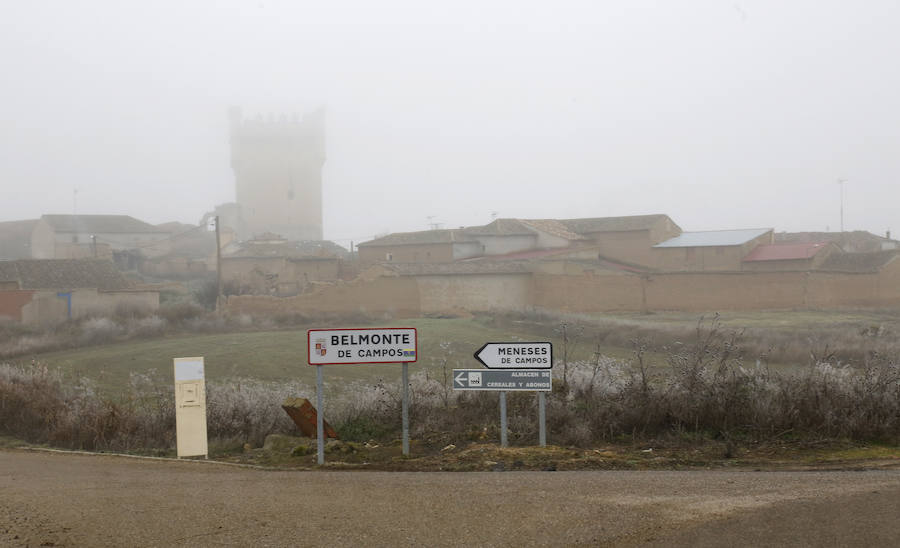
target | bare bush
x=708, y=392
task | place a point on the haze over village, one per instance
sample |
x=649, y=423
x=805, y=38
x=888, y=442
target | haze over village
x=407, y=135
x=645, y=254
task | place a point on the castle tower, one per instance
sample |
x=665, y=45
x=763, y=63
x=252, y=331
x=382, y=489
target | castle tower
x=278, y=174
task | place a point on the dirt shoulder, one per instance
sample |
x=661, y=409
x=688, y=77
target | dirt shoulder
x=73, y=500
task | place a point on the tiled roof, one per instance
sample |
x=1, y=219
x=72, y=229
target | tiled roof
x=785, y=252
x=553, y=227
x=850, y=241
x=100, y=224
x=714, y=238
x=435, y=269
x=614, y=224
x=292, y=249
x=526, y=255
x=524, y=227
x=443, y=236
x=501, y=227
x=61, y=274
x=859, y=262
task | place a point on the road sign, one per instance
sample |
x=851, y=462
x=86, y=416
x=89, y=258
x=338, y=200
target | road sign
x=502, y=379
x=516, y=355
x=374, y=345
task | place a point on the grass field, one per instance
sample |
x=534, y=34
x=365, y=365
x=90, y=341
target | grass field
x=280, y=355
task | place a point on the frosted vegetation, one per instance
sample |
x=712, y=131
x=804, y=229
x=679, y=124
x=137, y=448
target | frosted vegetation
x=706, y=391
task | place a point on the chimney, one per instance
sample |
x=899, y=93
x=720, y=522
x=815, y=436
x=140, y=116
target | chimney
x=887, y=234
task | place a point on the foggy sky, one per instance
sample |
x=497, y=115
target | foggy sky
x=723, y=115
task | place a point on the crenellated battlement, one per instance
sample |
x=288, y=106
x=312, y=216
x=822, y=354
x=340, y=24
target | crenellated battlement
x=280, y=125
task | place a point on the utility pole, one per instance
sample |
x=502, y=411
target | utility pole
x=218, y=265
x=841, y=183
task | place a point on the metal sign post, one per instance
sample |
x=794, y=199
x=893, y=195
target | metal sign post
x=503, y=440
x=512, y=366
x=504, y=380
x=542, y=419
x=405, y=412
x=359, y=346
x=320, y=428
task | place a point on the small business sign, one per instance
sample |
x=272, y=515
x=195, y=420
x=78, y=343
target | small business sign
x=374, y=345
x=516, y=355
x=506, y=380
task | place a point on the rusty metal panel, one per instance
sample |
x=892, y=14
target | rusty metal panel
x=304, y=416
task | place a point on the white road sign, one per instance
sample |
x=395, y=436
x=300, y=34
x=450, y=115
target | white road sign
x=504, y=380
x=375, y=345
x=516, y=355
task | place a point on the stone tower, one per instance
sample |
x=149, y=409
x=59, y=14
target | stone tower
x=278, y=174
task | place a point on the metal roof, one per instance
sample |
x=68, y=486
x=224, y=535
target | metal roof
x=714, y=238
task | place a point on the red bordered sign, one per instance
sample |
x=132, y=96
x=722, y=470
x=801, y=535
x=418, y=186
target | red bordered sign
x=356, y=346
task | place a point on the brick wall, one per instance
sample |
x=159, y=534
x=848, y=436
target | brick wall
x=591, y=292
x=394, y=296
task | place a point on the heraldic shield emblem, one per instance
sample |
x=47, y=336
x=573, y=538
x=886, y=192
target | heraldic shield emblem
x=321, y=347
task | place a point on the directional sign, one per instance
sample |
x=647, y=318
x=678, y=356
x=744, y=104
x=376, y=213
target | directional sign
x=375, y=345
x=516, y=355
x=502, y=379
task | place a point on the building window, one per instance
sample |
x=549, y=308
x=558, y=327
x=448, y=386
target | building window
x=389, y=257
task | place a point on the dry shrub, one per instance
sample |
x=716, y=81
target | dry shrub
x=250, y=410
x=179, y=313
x=707, y=393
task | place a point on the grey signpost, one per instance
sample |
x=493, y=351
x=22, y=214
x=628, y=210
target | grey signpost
x=503, y=441
x=361, y=346
x=508, y=380
x=320, y=428
x=405, y=413
x=518, y=355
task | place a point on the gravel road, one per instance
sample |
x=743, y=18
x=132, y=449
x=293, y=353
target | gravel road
x=54, y=499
